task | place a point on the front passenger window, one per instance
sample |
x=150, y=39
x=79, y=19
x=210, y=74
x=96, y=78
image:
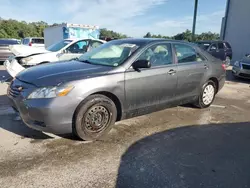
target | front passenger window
x=158, y=55
x=79, y=47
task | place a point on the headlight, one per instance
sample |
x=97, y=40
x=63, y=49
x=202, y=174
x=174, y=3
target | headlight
x=237, y=63
x=50, y=92
x=27, y=59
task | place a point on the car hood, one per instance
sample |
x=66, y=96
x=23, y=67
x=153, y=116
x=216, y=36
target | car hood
x=55, y=73
x=246, y=60
x=23, y=50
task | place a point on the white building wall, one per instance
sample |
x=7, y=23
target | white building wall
x=237, y=27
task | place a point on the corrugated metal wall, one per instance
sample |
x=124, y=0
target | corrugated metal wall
x=237, y=27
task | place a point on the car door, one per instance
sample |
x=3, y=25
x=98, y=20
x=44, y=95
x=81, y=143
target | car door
x=214, y=51
x=154, y=88
x=228, y=49
x=221, y=51
x=191, y=69
x=75, y=50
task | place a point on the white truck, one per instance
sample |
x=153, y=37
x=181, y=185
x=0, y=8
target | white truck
x=69, y=43
x=57, y=33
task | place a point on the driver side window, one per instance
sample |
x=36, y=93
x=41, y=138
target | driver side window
x=213, y=47
x=79, y=47
x=158, y=55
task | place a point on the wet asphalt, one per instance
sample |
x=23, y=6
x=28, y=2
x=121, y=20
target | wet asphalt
x=179, y=147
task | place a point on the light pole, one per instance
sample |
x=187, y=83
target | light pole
x=194, y=19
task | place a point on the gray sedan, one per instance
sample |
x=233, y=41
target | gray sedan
x=242, y=68
x=118, y=80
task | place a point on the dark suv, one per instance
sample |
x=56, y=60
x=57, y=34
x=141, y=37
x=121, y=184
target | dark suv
x=219, y=49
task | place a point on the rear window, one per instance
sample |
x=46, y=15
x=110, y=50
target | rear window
x=227, y=45
x=37, y=41
x=8, y=42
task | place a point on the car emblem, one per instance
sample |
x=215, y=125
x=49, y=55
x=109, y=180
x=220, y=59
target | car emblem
x=20, y=88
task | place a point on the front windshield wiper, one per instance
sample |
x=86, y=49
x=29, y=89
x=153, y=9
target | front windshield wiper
x=83, y=60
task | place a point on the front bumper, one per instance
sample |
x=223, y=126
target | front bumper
x=13, y=67
x=242, y=73
x=53, y=115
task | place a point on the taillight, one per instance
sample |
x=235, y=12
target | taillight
x=30, y=44
x=224, y=67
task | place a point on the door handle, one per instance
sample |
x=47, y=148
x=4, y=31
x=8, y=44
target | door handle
x=172, y=71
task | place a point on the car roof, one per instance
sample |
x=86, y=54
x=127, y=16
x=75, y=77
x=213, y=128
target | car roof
x=74, y=39
x=210, y=41
x=151, y=40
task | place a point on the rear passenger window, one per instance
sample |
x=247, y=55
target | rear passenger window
x=220, y=46
x=186, y=54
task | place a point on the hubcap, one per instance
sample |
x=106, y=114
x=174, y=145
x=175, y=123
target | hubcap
x=208, y=94
x=96, y=119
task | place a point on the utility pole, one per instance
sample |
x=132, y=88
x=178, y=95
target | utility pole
x=194, y=19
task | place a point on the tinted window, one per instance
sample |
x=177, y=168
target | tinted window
x=8, y=42
x=220, y=46
x=204, y=45
x=227, y=45
x=186, y=53
x=158, y=55
x=37, y=41
x=213, y=47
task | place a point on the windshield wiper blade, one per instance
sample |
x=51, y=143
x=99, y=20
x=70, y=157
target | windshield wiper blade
x=84, y=61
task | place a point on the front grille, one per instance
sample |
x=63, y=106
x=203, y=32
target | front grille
x=244, y=75
x=244, y=66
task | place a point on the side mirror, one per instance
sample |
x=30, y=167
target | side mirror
x=247, y=55
x=140, y=64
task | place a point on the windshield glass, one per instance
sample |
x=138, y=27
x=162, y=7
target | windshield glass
x=203, y=45
x=110, y=54
x=58, y=46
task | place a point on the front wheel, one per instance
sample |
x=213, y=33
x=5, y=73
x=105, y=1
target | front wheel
x=207, y=95
x=94, y=118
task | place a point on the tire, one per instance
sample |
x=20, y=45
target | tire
x=94, y=117
x=205, y=102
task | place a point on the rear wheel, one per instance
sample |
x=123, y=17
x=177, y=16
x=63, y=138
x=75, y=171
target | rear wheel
x=94, y=118
x=207, y=95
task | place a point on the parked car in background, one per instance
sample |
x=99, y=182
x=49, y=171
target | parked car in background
x=33, y=41
x=67, y=49
x=219, y=49
x=4, y=48
x=118, y=80
x=242, y=68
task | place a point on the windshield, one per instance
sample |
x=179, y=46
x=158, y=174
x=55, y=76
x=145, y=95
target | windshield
x=110, y=54
x=58, y=46
x=204, y=45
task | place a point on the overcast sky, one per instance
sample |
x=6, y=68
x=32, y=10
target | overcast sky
x=132, y=17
